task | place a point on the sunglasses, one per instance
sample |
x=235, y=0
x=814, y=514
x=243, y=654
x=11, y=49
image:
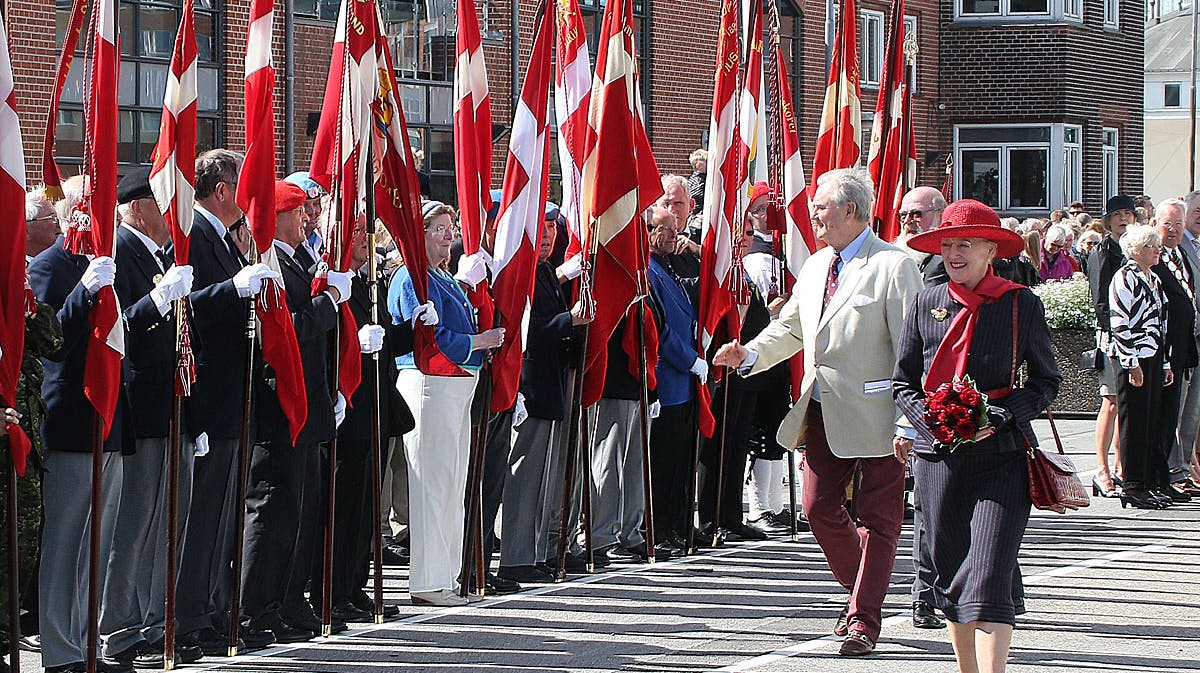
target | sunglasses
x=915, y=214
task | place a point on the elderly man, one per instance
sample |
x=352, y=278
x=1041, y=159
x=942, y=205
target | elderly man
x=684, y=257
x=1191, y=249
x=309, y=251
x=845, y=315
x=920, y=211
x=41, y=224
x=147, y=285
x=1178, y=273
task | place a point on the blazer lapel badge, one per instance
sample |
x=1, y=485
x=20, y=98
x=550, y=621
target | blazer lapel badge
x=939, y=314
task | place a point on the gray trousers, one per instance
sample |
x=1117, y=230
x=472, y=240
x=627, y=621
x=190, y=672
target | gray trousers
x=617, y=503
x=525, y=494
x=394, y=500
x=135, y=590
x=1179, y=459
x=205, y=567
x=63, y=574
x=556, y=464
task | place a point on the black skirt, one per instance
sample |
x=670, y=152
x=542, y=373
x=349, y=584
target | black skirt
x=975, y=508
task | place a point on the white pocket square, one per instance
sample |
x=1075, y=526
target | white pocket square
x=861, y=300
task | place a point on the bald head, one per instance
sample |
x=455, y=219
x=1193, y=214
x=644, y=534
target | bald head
x=926, y=201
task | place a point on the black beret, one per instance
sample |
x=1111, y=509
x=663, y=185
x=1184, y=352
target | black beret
x=135, y=185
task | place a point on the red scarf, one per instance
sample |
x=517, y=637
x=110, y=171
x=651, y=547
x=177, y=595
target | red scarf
x=950, y=361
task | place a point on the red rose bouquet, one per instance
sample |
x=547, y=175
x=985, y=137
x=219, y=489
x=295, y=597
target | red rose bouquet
x=955, y=413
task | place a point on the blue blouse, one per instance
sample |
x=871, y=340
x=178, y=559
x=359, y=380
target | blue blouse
x=457, y=317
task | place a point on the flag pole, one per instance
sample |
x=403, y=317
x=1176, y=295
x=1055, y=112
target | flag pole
x=245, y=447
x=174, y=447
x=376, y=402
x=94, y=526
x=14, y=583
x=334, y=253
x=473, y=515
x=792, y=522
x=644, y=390
x=911, y=49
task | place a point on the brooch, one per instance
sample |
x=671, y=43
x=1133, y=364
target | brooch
x=157, y=277
x=939, y=314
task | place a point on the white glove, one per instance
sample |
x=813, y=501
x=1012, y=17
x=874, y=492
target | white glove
x=175, y=284
x=700, y=369
x=473, y=268
x=249, y=280
x=571, y=268
x=201, y=445
x=339, y=410
x=340, y=280
x=370, y=338
x=100, y=273
x=655, y=409
x=427, y=314
x=520, y=413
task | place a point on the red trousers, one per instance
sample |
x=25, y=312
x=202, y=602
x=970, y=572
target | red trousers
x=860, y=551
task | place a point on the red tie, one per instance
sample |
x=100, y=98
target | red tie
x=831, y=281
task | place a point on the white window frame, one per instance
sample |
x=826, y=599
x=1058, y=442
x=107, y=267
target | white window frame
x=1110, y=164
x=1072, y=165
x=1053, y=7
x=1112, y=14
x=870, y=49
x=1073, y=9
x=910, y=28
x=1179, y=102
x=1055, y=147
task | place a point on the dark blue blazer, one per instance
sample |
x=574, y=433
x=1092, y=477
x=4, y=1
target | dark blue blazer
x=544, y=366
x=54, y=276
x=676, y=336
x=218, y=318
x=314, y=319
x=1181, y=319
x=395, y=418
x=149, y=363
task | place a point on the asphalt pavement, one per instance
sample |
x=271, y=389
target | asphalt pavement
x=1107, y=590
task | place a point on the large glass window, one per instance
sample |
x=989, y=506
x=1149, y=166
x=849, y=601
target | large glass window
x=1172, y=94
x=147, y=39
x=1112, y=16
x=870, y=48
x=1020, y=9
x=1109, y=168
x=1010, y=167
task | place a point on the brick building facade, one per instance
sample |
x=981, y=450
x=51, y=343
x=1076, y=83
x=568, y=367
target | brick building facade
x=994, y=89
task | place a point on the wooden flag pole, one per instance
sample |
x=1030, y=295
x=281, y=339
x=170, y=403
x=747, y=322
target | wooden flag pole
x=245, y=448
x=376, y=405
x=14, y=558
x=174, y=448
x=95, y=522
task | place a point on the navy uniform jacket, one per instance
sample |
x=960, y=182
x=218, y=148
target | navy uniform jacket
x=149, y=363
x=676, y=336
x=54, y=276
x=544, y=366
x=394, y=415
x=314, y=319
x=989, y=363
x=218, y=320
x=1181, y=319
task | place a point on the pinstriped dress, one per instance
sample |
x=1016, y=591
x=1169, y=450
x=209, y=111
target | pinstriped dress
x=975, y=501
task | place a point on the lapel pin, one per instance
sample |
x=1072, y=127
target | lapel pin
x=939, y=314
x=157, y=277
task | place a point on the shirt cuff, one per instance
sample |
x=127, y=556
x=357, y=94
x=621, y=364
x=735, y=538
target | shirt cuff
x=748, y=363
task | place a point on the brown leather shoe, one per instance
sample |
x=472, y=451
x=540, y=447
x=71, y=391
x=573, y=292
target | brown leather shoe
x=857, y=644
x=842, y=626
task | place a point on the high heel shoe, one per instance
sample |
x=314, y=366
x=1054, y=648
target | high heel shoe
x=1099, y=491
x=1139, y=499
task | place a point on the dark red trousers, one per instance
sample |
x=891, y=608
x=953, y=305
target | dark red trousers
x=860, y=551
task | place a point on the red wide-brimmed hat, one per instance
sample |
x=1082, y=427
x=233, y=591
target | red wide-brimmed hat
x=969, y=218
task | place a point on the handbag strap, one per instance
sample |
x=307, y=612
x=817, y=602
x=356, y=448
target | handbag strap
x=1049, y=412
x=1012, y=377
x=1054, y=430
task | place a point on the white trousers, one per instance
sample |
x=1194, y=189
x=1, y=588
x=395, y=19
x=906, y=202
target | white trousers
x=767, y=489
x=437, y=451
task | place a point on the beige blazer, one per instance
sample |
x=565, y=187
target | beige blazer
x=850, y=351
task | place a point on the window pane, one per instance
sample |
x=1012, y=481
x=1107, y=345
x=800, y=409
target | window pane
x=441, y=105
x=148, y=135
x=981, y=176
x=206, y=4
x=126, y=147
x=152, y=85
x=206, y=134
x=207, y=93
x=69, y=142
x=412, y=99
x=73, y=87
x=1019, y=134
x=442, y=188
x=439, y=155
x=1071, y=135
x=1028, y=6
x=1027, y=178
x=305, y=7
x=128, y=40
x=329, y=10
x=206, y=37
x=127, y=90
x=62, y=15
x=156, y=32
x=1171, y=95
x=980, y=6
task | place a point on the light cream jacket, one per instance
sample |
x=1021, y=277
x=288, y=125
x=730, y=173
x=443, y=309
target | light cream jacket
x=849, y=351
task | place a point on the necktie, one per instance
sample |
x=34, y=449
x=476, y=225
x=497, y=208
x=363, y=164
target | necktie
x=831, y=280
x=164, y=260
x=1180, y=271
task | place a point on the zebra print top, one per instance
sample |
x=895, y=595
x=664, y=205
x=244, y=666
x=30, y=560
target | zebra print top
x=1137, y=315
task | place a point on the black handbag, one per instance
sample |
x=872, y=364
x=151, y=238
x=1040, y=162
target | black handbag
x=1092, y=360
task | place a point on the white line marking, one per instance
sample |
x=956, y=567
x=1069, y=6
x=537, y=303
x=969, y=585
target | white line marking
x=818, y=643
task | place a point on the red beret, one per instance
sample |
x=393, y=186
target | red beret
x=288, y=196
x=759, y=189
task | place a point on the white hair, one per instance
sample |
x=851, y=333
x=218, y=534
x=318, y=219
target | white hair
x=669, y=179
x=1057, y=233
x=854, y=185
x=1170, y=203
x=35, y=200
x=1138, y=236
x=1086, y=237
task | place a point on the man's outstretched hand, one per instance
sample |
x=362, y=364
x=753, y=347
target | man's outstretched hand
x=731, y=355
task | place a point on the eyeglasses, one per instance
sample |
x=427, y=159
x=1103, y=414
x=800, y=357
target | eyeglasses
x=1153, y=246
x=441, y=230
x=44, y=218
x=916, y=214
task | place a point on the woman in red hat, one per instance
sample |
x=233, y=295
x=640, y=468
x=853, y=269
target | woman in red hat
x=974, y=495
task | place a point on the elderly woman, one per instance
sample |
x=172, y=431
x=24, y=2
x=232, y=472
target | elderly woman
x=1137, y=316
x=437, y=448
x=1057, y=263
x=975, y=498
x=1087, y=240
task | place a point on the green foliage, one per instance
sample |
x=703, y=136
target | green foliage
x=1068, y=303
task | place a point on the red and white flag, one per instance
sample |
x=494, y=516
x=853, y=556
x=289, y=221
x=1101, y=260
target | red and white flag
x=521, y=215
x=792, y=216
x=102, y=368
x=572, y=93
x=398, y=200
x=892, y=157
x=841, y=115
x=51, y=177
x=173, y=170
x=256, y=197
x=614, y=200
x=12, y=251
x=472, y=146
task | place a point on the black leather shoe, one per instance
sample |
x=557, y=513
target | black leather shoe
x=747, y=533
x=842, y=626
x=347, y=612
x=126, y=656
x=662, y=551
x=395, y=555
x=502, y=585
x=529, y=574
x=152, y=655
x=251, y=640
x=768, y=525
x=1175, y=493
x=287, y=633
x=309, y=621
x=365, y=603
x=108, y=665
x=77, y=667
x=209, y=641
x=924, y=617
x=678, y=542
x=619, y=554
